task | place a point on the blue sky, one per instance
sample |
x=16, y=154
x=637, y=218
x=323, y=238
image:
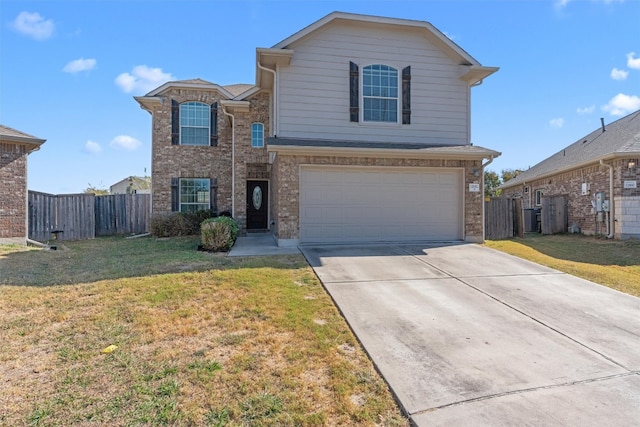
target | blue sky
x=69, y=70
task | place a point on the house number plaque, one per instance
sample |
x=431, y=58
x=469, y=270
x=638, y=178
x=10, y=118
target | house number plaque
x=257, y=198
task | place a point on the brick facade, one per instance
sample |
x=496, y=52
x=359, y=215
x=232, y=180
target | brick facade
x=580, y=209
x=286, y=178
x=184, y=161
x=13, y=193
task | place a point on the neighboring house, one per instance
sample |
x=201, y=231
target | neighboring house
x=132, y=185
x=357, y=130
x=588, y=172
x=15, y=146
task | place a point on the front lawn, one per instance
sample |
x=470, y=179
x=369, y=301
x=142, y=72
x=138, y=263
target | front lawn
x=613, y=263
x=201, y=339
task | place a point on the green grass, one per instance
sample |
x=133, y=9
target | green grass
x=613, y=263
x=201, y=339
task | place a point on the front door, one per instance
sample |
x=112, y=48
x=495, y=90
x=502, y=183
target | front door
x=257, y=197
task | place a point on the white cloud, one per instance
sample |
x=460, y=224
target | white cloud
x=632, y=61
x=33, y=25
x=619, y=74
x=92, y=147
x=125, y=142
x=561, y=3
x=622, y=104
x=586, y=110
x=78, y=65
x=556, y=123
x=142, y=79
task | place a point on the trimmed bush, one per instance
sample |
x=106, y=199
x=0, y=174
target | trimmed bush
x=178, y=223
x=218, y=234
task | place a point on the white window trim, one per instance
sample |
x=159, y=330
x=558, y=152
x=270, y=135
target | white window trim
x=208, y=107
x=180, y=203
x=538, y=198
x=398, y=122
x=262, y=142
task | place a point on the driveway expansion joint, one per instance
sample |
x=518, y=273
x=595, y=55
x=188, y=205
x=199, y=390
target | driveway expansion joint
x=524, y=391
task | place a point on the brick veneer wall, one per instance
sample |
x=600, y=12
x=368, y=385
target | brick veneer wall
x=251, y=163
x=183, y=161
x=580, y=210
x=13, y=193
x=285, y=175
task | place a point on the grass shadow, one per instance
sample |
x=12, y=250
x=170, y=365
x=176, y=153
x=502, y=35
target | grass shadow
x=110, y=258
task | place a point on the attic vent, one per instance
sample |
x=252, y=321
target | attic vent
x=602, y=122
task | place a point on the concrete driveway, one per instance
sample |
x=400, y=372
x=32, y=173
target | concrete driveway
x=466, y=335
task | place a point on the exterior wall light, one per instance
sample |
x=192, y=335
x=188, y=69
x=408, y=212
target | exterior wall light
x=632, y=164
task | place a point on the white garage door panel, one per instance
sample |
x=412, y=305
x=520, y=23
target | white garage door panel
x=377, y=205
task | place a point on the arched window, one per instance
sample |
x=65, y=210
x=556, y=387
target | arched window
x=380, y=93
x=194, y=123
x=257, y=135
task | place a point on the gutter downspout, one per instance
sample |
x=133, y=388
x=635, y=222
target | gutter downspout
x=275, y=97
x=611, y=221
x=484, y=165
x=233, y=161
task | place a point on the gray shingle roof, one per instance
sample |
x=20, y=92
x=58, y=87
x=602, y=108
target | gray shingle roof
x=620, y=138
x=7, y=131
x=237, y=89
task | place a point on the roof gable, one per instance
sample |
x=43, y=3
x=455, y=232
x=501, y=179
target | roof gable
x=619, y=139
x=445, y=43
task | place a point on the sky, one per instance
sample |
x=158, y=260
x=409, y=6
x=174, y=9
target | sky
x=69, y=70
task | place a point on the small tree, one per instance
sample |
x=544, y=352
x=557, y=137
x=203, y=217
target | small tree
x=491, y=184
x=508, y=174
x=97, y=191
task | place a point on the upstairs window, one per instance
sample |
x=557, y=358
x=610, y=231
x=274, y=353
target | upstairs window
x=257, y=135
x=194, y=123
x=380, y=93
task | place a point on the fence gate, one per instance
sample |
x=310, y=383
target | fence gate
x=554, y=218
x=503, y=218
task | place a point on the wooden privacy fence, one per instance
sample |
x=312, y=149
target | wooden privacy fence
x=554, y=215
x=503, y=218
x=85, y=216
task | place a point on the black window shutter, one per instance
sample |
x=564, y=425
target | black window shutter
x=175, y=122
x=175, y=194
x=406, y=95
x=214, y=124
x=213, y=195
x=354, y=96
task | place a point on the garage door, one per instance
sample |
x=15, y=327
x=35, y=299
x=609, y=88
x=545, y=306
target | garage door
x=379, y=204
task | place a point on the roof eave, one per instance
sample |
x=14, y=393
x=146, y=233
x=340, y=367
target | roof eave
x=33, y=144
x=148, y=102
x=270, y=58
x=474, y=74
x=177, y=84
x=610, y=156
x=382, y=152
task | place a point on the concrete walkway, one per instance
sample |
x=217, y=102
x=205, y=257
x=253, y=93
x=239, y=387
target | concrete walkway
x=466, y=335
x=257, y=244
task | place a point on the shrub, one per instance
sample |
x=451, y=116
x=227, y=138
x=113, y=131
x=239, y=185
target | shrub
x=168, y=225
x=178, y=223
x=218, y=234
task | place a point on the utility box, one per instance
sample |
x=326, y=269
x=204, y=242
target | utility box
x=599, y=196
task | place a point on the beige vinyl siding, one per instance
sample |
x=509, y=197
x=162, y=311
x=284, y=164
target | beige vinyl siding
x=313, y=93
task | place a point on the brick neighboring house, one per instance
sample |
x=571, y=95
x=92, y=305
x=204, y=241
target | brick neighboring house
x=604, y=161
x=357, y=130
x=15, y=146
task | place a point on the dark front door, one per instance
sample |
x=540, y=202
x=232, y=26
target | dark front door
x=257, y=197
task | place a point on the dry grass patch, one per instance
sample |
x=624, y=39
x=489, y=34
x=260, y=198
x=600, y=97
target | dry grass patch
x=613, y=263
x=224, y=342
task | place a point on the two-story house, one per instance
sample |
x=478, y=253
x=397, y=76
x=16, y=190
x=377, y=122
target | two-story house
x=356, y=130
